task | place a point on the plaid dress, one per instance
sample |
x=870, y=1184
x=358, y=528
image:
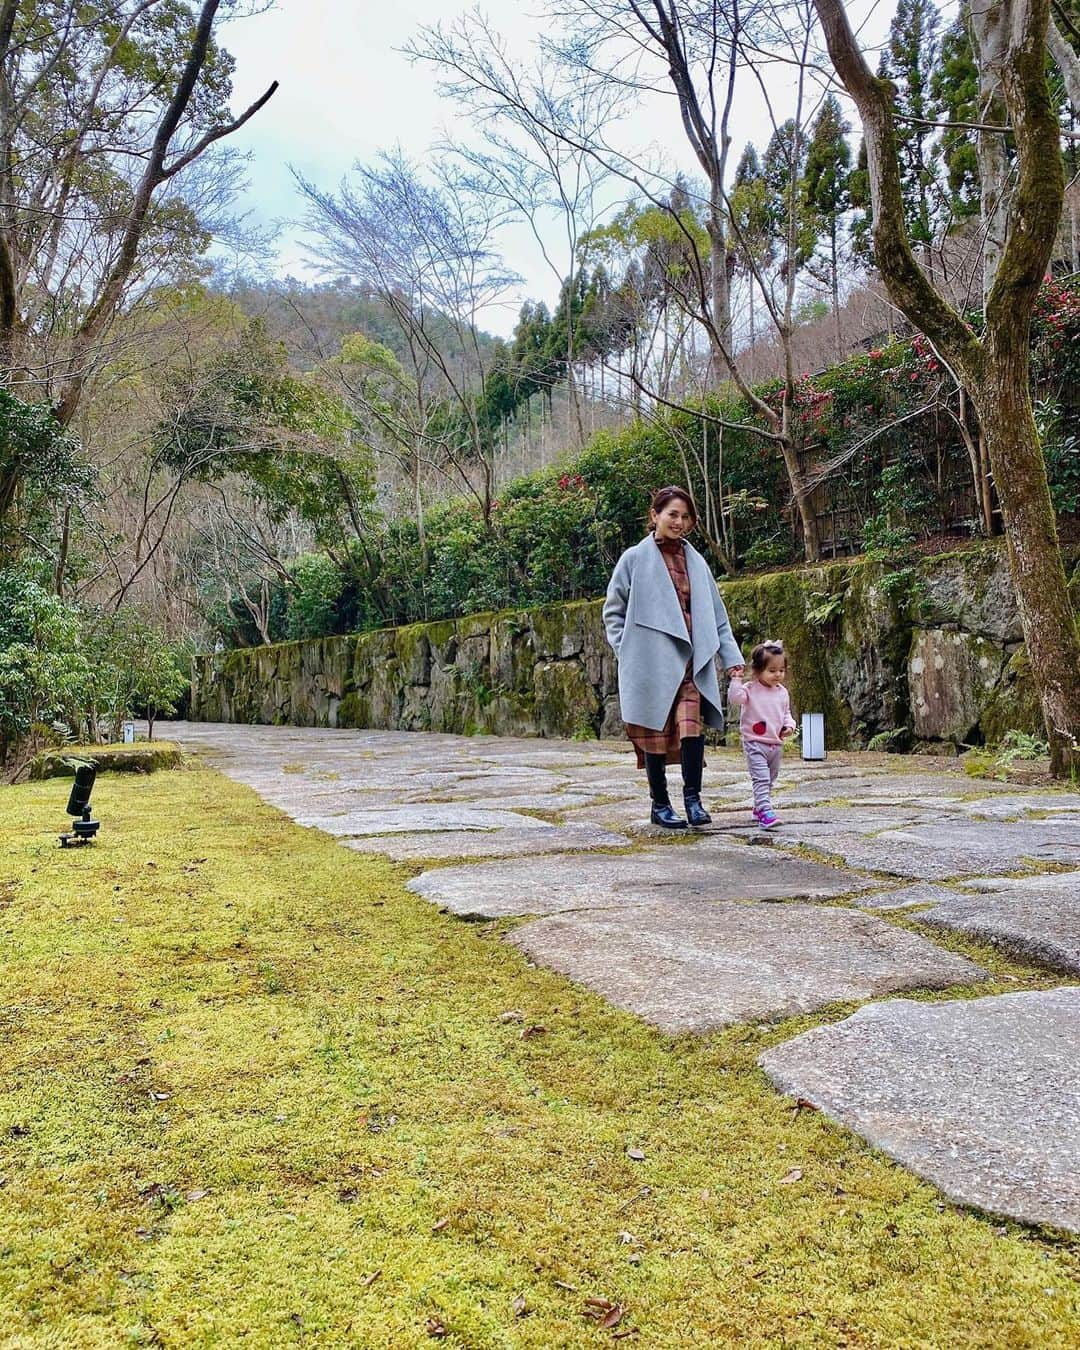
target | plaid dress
x=684, y=719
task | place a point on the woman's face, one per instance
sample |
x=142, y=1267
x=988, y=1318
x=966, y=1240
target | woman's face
x=674, y=521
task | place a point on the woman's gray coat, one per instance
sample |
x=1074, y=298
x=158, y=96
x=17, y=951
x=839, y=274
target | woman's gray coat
x=646, y=629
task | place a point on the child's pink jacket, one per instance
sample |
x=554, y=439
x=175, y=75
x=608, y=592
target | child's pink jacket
x=764, y=711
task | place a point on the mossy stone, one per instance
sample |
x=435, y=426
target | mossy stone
x=142, y=757
x=566, y=703
x=1014, y=704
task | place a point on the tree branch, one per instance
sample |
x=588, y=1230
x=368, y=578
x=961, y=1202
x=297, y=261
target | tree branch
x=153, y=176
x=907, y=285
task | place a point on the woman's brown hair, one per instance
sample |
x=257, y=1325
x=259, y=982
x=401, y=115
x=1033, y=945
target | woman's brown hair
x=664, y=496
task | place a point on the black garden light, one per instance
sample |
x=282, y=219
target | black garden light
x=83, y=828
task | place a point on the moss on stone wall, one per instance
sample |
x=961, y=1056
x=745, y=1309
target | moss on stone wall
x=928, y=648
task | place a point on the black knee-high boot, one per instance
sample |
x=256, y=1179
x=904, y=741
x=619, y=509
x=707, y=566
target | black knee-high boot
x=693, y=761
x=661, y=813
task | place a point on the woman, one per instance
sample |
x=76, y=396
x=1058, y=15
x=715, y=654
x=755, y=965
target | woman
x=666, y=623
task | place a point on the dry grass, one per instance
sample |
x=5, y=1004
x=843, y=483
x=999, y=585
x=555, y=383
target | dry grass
x=252, y=1091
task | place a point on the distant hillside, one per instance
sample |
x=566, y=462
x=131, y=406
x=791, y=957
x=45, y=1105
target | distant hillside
x=311, y=320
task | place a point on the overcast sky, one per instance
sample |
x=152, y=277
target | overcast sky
x=347, y=92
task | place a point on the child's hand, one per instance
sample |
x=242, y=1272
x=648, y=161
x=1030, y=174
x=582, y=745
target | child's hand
x=736, y=671
x=785, y=732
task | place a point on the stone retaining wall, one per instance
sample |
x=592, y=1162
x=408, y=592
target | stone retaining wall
x=929, y=655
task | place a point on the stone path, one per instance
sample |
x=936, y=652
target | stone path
x=980, y=1096
x=694, y=932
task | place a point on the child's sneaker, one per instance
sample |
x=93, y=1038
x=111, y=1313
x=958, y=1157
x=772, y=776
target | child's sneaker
x=767, y=819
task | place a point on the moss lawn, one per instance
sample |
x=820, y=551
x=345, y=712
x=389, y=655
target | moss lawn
x=253, y=1092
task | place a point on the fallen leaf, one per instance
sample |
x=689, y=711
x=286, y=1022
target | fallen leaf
x=369, y=1280
x=439, y=1225
x=604, y=1304
x=347, y=1194
x=561, y=1284
x=795, y=1174
x=519, y=1307
x=530, y=1032
x=197, y=1195
x=627, y=1239
x=635, y=1154
x=512, y=1015
x=613, y=1318
x=435, y=1328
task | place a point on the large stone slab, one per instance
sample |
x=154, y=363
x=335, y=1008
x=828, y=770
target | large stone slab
x=508, y=843
x=682, y=871
x=1037, y=918
x=421, y=818
x=937, y=850
x=688, y=966
x=1011, y=807
x=980, y=1096
x=917, y=896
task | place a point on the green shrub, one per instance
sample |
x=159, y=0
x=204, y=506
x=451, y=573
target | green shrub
x=43, y=669
x=552, y=536
x=313, y=597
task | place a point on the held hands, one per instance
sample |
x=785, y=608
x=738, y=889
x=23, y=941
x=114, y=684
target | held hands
x=735, y=671
x=785, y=732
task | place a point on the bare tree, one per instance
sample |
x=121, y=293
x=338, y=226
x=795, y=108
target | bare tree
x=101, y=107
x=525, y=165
x=995, y=366
x=697, y=51
x=427, y=251
x=100, y=110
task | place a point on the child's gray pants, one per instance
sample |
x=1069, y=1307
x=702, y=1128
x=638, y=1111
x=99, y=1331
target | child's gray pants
x=763, y=761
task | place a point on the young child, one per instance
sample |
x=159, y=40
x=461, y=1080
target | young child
x=765, y=722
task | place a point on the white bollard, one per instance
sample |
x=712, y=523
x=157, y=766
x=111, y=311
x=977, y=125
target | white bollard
x=813, y=735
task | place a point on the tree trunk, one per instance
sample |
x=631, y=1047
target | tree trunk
x=1042, y=595
x=835, y=260
x=1011, y=51
x=720, y=297
x=986, y=485
x=801, y=495
x=990, y=39
x=976, y=448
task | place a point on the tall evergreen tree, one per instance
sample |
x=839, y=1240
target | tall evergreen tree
x=862, y=217
x=954, y=90
x=828, y=196
x=752, y=225
x=909, y=61
x=783, y=168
